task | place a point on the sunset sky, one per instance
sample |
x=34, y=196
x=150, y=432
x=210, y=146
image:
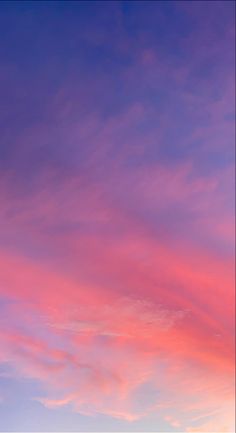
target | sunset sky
x=117, y=216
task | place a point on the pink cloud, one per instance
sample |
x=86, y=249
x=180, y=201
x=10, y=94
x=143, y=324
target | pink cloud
x=104, y=327
x=117, y=229
x=112, y=304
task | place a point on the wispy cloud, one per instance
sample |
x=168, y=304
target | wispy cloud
x=117, y=211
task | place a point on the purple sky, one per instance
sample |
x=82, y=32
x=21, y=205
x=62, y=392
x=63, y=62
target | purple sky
x=117, y=206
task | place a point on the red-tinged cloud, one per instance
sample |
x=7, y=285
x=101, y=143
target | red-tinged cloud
x=111, y=310
x=117, y=255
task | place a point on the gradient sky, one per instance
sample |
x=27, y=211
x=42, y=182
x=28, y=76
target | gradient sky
x=117, y=216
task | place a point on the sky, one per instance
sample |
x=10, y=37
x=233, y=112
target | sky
x=117, y=204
